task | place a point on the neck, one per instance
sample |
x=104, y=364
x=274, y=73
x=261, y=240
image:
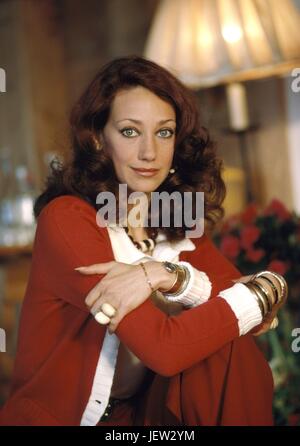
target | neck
x=138, y=232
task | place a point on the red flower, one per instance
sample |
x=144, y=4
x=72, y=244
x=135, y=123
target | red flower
x=277, y=208
x=278, y=267
x=255, y=255
x=230, y=223
x=230, y=246
x=294, y=419
x=249, y=215
x=249, y=235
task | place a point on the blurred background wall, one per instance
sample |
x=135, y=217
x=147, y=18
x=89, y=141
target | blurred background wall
x=50, y=50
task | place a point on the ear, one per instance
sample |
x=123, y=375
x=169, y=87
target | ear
x=100, y=142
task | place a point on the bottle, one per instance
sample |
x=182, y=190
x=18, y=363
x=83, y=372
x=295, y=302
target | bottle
x=23, y=207
x=17, y=223
x=7, y=218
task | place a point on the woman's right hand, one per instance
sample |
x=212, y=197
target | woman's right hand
x=124, y=286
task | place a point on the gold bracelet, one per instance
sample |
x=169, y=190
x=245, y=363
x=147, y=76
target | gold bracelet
x=283, y=285
x=262, y=274
x=262, y=296
x=261, y=300
x=182, y=285
x=173, y=284
x=180, y=280
x=281, y=281
x=270, y=299
x=147, y=277
x=262, y=290
x=260, y=303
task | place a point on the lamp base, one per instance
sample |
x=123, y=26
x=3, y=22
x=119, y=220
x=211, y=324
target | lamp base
x=244, y=152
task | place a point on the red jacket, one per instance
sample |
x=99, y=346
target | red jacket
x=204, y=372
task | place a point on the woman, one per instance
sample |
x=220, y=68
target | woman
x=184, y=353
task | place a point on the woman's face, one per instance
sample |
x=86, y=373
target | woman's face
x=140, y=134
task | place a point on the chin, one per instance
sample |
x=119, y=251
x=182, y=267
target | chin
x=145, y=190
x=144, y=186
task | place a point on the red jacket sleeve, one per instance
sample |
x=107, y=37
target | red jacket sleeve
x=68, y=236
x=169, y=345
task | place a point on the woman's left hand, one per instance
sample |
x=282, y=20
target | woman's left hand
x=124, y=286
x=268, y=319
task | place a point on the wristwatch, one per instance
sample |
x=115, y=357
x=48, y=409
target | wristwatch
x=180, y=278
x=170, y=267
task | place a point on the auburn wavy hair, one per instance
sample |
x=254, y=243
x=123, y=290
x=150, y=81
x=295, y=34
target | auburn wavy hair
x=88, y=171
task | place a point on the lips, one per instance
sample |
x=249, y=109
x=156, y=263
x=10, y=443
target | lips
x=145, y=170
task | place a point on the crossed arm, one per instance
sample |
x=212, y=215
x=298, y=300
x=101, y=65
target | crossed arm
x=68, y=235
x=121, y=276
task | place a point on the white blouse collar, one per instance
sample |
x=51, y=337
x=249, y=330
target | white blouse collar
x=129, y=253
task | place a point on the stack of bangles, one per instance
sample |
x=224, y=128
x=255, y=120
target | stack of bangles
x=265, y=299
x=180, y=282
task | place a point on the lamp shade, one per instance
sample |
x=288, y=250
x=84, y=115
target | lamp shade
x=207, y=42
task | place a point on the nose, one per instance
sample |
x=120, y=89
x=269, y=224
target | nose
x=148, y=149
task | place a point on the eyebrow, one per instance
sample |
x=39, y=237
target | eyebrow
x=137, y=121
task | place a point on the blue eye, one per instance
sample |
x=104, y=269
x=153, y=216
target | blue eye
x=166, y=133
x=129, y=132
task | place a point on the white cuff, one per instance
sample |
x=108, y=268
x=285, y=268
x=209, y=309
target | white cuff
x=244, y=305
x=197, y=291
